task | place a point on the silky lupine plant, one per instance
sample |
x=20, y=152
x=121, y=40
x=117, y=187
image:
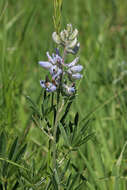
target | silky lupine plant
x=63, y=74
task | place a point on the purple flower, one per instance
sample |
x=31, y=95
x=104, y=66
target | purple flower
x=69, y=90
x=54, y=59
x=50, y=87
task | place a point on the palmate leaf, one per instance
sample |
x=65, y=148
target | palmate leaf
x=84, y=140
x=85, y=126
x=64, y=135
x=33, y=106
x=66, y=112
x=20, y=153
x=80, y=135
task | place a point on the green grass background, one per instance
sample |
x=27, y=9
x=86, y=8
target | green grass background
x=25, y=36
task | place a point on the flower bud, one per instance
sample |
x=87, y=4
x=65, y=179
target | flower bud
x=73, y=35
x=69, y=28
x=72, y=44
x=56, y=38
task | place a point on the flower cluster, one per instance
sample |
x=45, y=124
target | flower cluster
x=68, y=39
x=62, y=74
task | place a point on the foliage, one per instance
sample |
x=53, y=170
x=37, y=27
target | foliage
x=25, y=36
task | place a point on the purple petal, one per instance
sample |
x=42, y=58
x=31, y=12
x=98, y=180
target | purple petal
x=53, y=70
x=45, y=64
x=76, y=76
x=57, y=74
x=73, y=62
x=69, y=89
x=76, y=69
x=50, y=58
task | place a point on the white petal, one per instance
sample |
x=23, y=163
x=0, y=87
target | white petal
x=73, y=35
x=72, y=44
x=42, y=83
x=63, y=36
x=56, y=38
x=50, y=58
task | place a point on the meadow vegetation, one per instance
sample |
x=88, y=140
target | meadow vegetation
x=26, y=29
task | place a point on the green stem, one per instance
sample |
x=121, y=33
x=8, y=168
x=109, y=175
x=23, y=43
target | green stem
x=3, y=185
x=59, y=110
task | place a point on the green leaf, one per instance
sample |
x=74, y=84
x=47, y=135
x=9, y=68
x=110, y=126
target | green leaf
x=65, y=169
x=13, y=148
x=48, y=186
x=54, y=182
x=76, y=119
x=57, y=178
x=85, y=127
x=12, y=163
x=78, y=186
x=13, y=20
x=33, y=106
x=64, y=135
x=66, y=112
x=2, y=144
x=69, y=180
x=20, y=153
x=73, y=182
x=88, y=137
x=116, y=168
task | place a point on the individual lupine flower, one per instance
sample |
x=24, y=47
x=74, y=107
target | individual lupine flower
x=51, y=61
x=68, y=39
x=49, y=86
x=53, y=64
x=69, y=90
x=74, y=70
